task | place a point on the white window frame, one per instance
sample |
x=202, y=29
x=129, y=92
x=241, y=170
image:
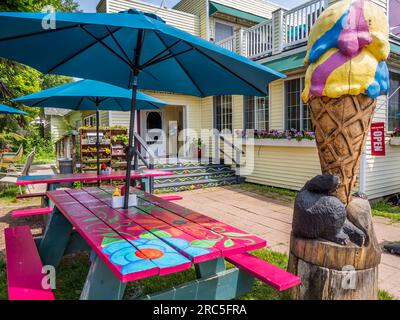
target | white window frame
x=391, y=70
x=224, y=115
x=91, y=119
x=302, y=85
x=256, y=120
x=227, y=23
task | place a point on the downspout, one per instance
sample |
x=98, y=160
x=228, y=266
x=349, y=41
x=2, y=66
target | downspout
x=363, y=173
x=208, y=20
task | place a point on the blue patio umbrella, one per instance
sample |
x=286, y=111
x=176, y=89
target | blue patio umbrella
x=90, y=95
x=130, y=49
x=8, y=110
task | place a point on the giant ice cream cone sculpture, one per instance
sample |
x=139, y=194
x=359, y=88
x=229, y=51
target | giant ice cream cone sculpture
x=346, y=73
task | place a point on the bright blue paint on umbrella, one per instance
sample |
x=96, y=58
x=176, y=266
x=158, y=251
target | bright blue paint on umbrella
x=9, y=110
x=83, y=94
x=199, y=67
x=130, y=49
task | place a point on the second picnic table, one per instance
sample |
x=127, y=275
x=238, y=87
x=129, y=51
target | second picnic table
x=53, y=180
x=154, y=238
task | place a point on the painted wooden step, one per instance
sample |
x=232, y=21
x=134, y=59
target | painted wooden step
x=196, y=167
x=24, y=267
x=194, y=177
x=189, y=183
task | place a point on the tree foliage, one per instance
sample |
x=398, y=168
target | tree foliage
x=38, y=5
x=17, y=80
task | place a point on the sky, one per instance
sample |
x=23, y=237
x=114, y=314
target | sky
x=90, y=5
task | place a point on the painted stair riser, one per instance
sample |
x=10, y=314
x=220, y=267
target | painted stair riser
x=192, y=178
x=195, y=186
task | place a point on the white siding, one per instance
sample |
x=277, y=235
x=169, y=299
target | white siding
x=184, y=21
x=58, y=128
x=382, y=173
x=197, y=8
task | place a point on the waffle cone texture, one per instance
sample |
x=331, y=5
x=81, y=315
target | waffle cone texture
x=341, y=130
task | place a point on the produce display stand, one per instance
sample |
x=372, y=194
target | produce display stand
x=112, y=148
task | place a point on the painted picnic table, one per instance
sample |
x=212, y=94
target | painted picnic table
x=154, y=238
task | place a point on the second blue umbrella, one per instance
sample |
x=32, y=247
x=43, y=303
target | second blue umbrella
x=90, y=95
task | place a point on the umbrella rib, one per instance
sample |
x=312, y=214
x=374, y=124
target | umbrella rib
x=161, y=53
x=37, y=33
x=76, y=53
x=117, y=43
x=181, y=65
x=169, y=56
x=225, y=68
x=119, y=104
x=100, y=40
x=80, y=103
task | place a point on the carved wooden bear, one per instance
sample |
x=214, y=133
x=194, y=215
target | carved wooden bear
x=317, y=214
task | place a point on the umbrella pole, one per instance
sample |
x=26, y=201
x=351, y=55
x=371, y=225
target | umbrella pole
x=98, y=140
x=131, y=149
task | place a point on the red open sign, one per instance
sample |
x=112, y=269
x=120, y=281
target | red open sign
x=378, y=139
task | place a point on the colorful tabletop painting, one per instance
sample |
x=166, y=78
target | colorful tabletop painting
x=88, y=177
x=154, y=238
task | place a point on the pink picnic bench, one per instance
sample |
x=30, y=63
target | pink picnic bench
x=31, y=195
x=31, y=212
x=24, y=267
x=171, y=198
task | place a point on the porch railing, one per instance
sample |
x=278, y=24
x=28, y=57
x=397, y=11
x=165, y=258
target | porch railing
x=299, y=21
x=147, y=157
x=234, y=153
x=228, y=43
x=259, y=40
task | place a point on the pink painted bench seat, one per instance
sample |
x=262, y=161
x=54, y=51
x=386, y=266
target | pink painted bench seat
x=24, y=267
x=266, y=272
x=31, y=195
x=31, y=212
x=171, y=198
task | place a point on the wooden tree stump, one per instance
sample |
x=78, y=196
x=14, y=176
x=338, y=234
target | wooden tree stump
x=330, y=271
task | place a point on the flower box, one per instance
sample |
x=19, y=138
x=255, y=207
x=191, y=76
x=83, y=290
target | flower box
x=281, y=143
x=394, y=141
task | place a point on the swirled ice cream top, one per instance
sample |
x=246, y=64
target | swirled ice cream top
x=346, y=53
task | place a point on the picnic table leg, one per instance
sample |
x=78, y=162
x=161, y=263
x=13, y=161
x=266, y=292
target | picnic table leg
x=213, y=282
x=55, y=239
x=208, y=268
x=101, y=283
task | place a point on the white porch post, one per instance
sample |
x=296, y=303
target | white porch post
x=279, y=30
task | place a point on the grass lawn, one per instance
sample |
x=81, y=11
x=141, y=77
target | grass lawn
x=270, y=192
x=385, y=209
x=9, y=194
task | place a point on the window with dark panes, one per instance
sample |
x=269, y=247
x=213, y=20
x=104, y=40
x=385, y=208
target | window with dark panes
x=394, y=102
x=297, y=113
x=256, y=113
x=223, y=112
